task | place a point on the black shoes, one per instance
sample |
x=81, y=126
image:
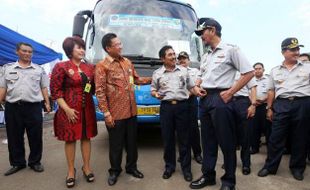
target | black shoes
x=198, y=159
x=246, y=170
x=188, y=176
x=202, y=182
x=264, y=172
x=298, y=175
x=13, y=170
x=224, y=187
x=136, y=173
x=70, y=182
x=167, y=174
x=89, y=177
x=37, y=168
x=112, y=179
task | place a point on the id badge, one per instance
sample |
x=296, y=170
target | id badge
x=131, y=81
x=87, y=87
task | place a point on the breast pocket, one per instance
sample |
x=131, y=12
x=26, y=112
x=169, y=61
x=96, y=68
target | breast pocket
x=35, y=82
x=279, y=79
x=11, y=78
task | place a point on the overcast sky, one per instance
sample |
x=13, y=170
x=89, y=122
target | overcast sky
x=256, y=26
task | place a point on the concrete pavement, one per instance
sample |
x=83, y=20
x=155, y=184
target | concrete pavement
x=150, y=163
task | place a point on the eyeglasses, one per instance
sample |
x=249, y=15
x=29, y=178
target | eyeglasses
x=117, y=45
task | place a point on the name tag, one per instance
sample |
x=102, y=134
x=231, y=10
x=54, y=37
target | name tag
x=131, y=81
x=87, y=87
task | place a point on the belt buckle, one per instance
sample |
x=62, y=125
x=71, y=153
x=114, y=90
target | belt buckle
x=174, y=102
x=19, y=102
x=291, y=98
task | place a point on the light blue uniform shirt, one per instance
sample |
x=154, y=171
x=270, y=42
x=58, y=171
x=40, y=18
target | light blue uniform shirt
x=23, y=84
x=173, y=84
x=246, y=89
x=262, y=87
x=218, y=67
x=295, y=82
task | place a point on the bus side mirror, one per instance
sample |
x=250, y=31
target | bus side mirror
x=79, y=22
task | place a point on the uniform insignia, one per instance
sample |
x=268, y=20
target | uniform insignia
x=71, y=71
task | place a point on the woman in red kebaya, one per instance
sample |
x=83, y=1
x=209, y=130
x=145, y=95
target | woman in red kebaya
x=72, y=86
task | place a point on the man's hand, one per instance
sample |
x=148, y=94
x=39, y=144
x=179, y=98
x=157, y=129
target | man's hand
x=269, y=114
x=198, y=91
x=48, y=107
x=251, y=111
x=158, y=95
x=226, y=95
x=108, y=119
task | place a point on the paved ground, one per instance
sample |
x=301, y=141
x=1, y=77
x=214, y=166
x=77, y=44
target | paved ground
x=150, y=162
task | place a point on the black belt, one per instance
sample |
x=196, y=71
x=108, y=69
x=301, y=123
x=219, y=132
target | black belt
x=173, y=102
x=292, y=98
x=21, y=102
x=214, y=90
x=240, y=97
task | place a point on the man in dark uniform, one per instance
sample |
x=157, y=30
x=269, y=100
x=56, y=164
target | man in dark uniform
x=171, y=84
x=24, y=84
x=289, y=85
x=184, y=60
x=259, y=123
x=218, y=124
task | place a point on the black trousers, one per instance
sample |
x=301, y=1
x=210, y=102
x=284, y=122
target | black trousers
x=175, y=118
x=194, y=129
x=218, y=127
x=241, y=105
x=293, y=116
x=123, y=135
x=260, y=125
x=20, y=117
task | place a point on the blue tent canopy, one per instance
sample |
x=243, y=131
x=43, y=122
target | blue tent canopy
x=8, y=41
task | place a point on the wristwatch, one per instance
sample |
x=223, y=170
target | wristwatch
x=268, y=107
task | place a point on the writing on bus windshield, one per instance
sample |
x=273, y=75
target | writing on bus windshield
x=128, y=20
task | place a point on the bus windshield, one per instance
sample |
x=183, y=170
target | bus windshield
x=143, y=27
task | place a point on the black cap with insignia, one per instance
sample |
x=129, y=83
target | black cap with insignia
x=204, y=23
x=290, y=43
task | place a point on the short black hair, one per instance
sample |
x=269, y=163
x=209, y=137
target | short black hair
x=162, y=51
x=107, y=40
x=258, y=63
x=18, y=45
x=305, y=54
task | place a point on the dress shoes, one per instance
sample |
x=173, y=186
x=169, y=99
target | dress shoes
x=264, y=172
x=202, y=182
x=298, y=175
x=246, y=170
x=37, y=167
x=198, y=159
x=112, y=179
x=135, y=173
x=167, y=174
x=13, y=170
x=188, y=176
x=224, y=187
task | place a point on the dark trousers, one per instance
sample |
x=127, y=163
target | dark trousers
x=241, y=105
x=293, y=114
x=218, y=127
x=123, y=135
x=20, y=117
x=259, y=125
x=194, y=129
x=175, y=118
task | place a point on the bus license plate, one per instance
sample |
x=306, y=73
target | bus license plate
x=148, y=110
